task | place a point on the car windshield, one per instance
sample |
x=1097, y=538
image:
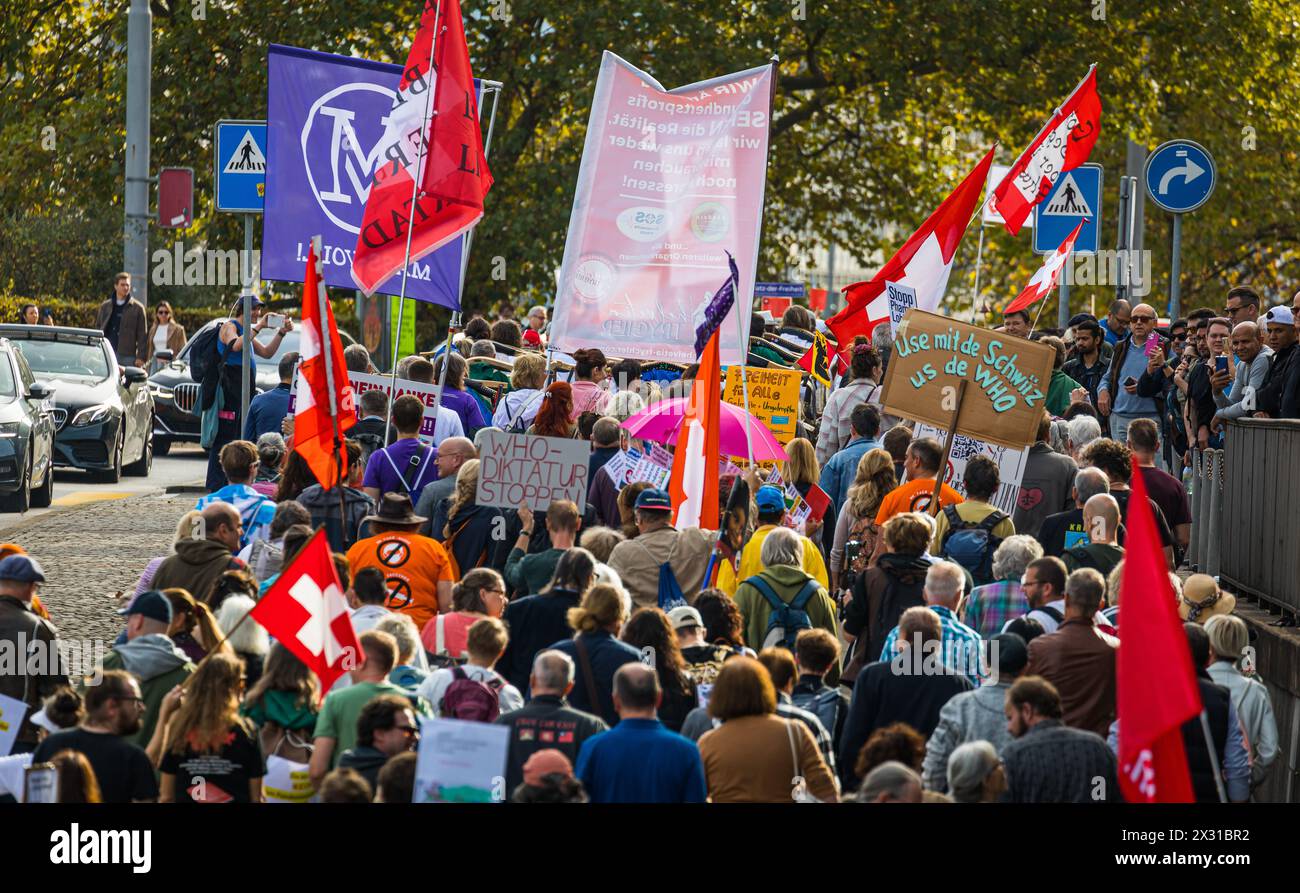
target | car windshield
x=7, y=387
x=66, y=359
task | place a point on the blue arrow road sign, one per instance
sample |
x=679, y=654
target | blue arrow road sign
x=1180, y=176
x=239, y=166
x=1076, y=196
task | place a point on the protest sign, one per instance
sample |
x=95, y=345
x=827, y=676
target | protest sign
x=901, y=299
x=326, y=117
x=461, y=762
x=1011, y=464
x=428, y=394
x=669, y=182
x=773, y=397
x=12, y=712
x=525, y=468
x=655, y=467
x=1005, y=377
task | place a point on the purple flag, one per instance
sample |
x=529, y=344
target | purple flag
x=324, y=122
x=718, y=308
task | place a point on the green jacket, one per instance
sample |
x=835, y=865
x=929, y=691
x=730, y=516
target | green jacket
x=786, y=581
x=1058, y=392
x=159, y=666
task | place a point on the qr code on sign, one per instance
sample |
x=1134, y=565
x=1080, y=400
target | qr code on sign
x=965, y=447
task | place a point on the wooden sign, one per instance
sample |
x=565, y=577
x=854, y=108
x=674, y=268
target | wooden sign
x=1006, y=379
x=515, y=468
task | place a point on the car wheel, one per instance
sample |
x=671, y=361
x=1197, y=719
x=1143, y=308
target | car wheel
x=114, y=474
x=43, y=495
x=162, y=445
x=20, y=500
x=140, y=467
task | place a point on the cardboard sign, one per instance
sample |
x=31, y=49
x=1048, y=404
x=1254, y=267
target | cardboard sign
x=773, y=397
x=901, y=299
x=525, y=468
x=1011, y=465
x=1007, y=378
x=12, y=712
x=461, y=762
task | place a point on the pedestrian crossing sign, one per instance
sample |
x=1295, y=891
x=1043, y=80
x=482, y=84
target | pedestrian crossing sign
x=239, y=166
x=1075, y=196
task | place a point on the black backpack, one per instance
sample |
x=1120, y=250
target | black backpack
x=825, y=705
x=972, y=544
x=902, y=591
x=204, y=356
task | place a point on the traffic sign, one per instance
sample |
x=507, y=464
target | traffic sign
x=1180, y=175
x=239, y=166
x=1075, y=196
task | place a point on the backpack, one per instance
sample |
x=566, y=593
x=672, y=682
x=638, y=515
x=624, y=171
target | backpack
x=901, y=592
x=972, y=544
x=785, y=621
x=369, y=442
x=670, y=593
x=1054, y=613
x=469, y=699
x=204, y=356
x=825, y=705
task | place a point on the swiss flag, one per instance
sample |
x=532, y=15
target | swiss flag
x=306, y=612
x=923, y=263
x=1156, y=683
x=1044, y=280
x=314, y=434
x=1063, y=144
x=444, y=151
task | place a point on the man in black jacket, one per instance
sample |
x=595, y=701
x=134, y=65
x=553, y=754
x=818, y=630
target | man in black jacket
x=38, y=669
x=385, y=728
x=1225, y=731
x=1279, y=395
x=122, y=320
x=1090, y=363
x=546, y=722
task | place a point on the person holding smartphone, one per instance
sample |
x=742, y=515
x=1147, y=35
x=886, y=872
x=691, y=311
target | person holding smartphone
x=1201, y=407
x=1128, y=392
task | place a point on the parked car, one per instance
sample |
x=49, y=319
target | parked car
x=26, y=435
x=176, y=394
x=103, y=412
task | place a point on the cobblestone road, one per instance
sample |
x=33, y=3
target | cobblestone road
x=90, y=552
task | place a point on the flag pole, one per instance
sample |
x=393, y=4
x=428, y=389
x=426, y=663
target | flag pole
x=1214, y=757
x=979, y=254
x=410, y=224
x=744, y=384
x=325, y=342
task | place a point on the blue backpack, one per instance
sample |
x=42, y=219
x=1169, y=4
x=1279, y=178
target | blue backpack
x=670, y=592
x=972, y=544
x=786, y=621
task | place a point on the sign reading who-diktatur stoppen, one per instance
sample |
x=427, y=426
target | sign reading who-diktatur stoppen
x=523, y=468
x=1006, y=378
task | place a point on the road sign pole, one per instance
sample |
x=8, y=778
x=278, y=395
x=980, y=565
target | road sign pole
x=1121, y=240
x=247, y=353
x=139, y=55
x=1063, y=298
x=1175, y=310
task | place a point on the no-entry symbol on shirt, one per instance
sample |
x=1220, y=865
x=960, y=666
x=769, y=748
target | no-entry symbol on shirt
x=393, y=554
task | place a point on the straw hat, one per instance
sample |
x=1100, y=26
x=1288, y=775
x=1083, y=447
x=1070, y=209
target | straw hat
x=1202, y=599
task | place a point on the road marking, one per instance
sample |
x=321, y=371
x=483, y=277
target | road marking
x=85, y=496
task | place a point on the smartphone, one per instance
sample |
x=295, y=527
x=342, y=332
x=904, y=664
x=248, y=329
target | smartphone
x=1221, y=364
x=275, y=320
x=1153, y=344
x=1130, y=381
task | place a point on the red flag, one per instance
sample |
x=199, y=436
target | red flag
x=1045, y=279
x=1156, y=682
x=453, y=173
x=1063, y=144
x=693, y=486
x=315, y=412
x=305, y=611
x=923, y=263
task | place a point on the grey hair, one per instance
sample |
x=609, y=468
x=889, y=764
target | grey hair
x=1014, y=555
x=249, y=637
x=402, y=628
x=600, y=541
x=944, y=581
x=483, y=348
x=782, y=547
x=404, y=365
x=532, y=310
x=552, y=671
x=480, y=436
x=890, y=777
x=602, y=573
x=1090, y=482
x=1084, y=429
x=968, y=766
x=356, y=358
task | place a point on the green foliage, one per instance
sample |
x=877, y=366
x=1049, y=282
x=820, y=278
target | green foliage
x=881, y=108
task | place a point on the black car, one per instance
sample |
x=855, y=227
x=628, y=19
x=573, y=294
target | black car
x=176, y=394
x=26, y=435
x=103, y=412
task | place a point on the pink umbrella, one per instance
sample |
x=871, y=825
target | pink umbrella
x=661, y=421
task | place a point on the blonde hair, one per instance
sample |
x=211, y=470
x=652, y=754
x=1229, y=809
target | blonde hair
x=529, y=372
x=205, y=717
x=466, y=486
x=1228, y=636
x=874, y=479
x=801, y=466
x=189, y=524
x=601, y=607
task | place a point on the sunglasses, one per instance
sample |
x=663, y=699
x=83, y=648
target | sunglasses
x=1142, y=319
x=409, y=731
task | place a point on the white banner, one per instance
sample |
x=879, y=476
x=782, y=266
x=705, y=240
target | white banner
x=1011, y=464
x=670, y=181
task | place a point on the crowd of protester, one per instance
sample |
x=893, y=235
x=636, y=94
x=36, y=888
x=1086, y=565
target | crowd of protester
x=883, y=652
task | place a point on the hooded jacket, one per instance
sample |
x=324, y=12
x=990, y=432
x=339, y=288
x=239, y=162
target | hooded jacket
x=864, y=617
x=195, y=567
x=159, y=666
x=366, y=760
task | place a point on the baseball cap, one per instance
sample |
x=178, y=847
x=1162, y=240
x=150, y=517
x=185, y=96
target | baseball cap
x=770, y=498
x=1280, y=315
x=683, y=616
x=532, y=338
x=546, y=762
x=1013, y=653
x=152, y=604
x=654, y=500
x=23, y=568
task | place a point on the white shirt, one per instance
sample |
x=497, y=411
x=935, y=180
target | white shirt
x=433, y=688
x=1050, y=623
x=160, y=336
x=447, y=425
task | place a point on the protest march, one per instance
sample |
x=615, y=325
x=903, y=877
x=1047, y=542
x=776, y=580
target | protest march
x=660, y=531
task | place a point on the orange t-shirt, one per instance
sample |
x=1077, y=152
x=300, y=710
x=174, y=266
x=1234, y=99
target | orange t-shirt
x=412, y=566
x=914, y=496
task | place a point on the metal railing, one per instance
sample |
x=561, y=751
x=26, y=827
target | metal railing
x=1253, y=542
